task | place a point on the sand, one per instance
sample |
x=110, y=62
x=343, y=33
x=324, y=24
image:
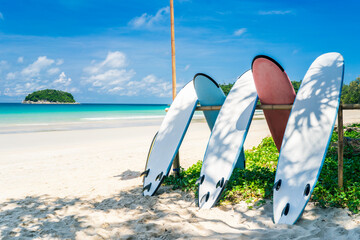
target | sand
x=61, y=183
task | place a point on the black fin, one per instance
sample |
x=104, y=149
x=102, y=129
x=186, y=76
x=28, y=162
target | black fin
x=205, y=198
x=158, y=186
x=158, y=177
x=286, y=209
x=145, y=173
x=147, y=187
x=221, y=192
x=200, y=180
x=277, y=185
x=220, y=183
x=307, y=190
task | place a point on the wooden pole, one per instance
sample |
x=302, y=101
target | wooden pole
x=173, y=49
x=176, y=164
x=340, y=147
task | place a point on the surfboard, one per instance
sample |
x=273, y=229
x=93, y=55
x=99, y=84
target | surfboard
x=273, y=87
x=169, y=138
x=209, y=93
x=307, y=137
x=148, y=155
x=226, y=140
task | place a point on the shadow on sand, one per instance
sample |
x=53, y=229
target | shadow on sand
x=168, y=215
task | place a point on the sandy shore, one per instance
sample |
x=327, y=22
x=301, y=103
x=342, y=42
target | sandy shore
x=84, y=184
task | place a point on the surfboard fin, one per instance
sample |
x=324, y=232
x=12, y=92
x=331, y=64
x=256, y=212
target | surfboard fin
x=147, y=187
x=205, y=198
x=307, y=190
x=220, y=183
x=277, y=185
x=200, y=180
x=286, y=209
x=145, y=173
x=158, y=177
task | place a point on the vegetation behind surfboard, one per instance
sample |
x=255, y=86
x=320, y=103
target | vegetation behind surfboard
x=350, y=93
x=254, y=184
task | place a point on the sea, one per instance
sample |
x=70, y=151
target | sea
x=17, y=117
x=17, y=113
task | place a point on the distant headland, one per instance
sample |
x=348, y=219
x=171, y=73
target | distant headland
x=49, y=96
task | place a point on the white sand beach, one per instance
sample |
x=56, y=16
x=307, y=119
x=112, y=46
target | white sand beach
x=57, y=183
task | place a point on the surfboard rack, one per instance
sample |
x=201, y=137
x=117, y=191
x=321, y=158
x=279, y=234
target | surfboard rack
x=288, y=107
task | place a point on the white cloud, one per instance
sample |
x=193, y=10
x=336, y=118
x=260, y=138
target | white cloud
x=3, y=65
x=36, y=67
x=187, y=67
x=20, y=59
x=275, y=12
x=110, y=75
x=113, y=60
x=240, y=31
x=11, y=75
x=149, y=85
x=62, y=80
x=59, y=61
x=147, y=20
x=53, y=71
x=36, y=76
x=111, y=78
x=1, y=16
x=23, y=89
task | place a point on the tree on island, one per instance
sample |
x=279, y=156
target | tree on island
x=50, y=95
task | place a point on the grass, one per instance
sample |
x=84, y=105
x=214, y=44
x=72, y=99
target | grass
x=254, y=184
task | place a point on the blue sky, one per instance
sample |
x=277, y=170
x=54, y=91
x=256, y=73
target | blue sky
x=119, y=51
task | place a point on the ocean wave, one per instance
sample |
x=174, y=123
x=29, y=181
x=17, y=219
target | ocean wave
x=129, y=118
x=121, y=118
x=30, y=124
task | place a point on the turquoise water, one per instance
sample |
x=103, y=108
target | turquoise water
x=16, y=113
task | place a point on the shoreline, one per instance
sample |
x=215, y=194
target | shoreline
x=46, y=102
x=349, y=116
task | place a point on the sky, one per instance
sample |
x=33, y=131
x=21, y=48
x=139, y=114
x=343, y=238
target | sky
x=116, y=51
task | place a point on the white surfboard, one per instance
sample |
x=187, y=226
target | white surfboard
x=307, y=137
x=169, y=138
x=210, y=94
x=227, y=139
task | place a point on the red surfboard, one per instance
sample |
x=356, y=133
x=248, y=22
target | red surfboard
x=273, y=87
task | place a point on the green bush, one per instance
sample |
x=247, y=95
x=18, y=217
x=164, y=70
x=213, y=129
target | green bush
x=256, y=181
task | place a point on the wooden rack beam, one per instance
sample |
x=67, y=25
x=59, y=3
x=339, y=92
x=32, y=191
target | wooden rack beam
x=273, y=107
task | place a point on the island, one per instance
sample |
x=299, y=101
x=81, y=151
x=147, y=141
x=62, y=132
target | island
x=49, y=96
